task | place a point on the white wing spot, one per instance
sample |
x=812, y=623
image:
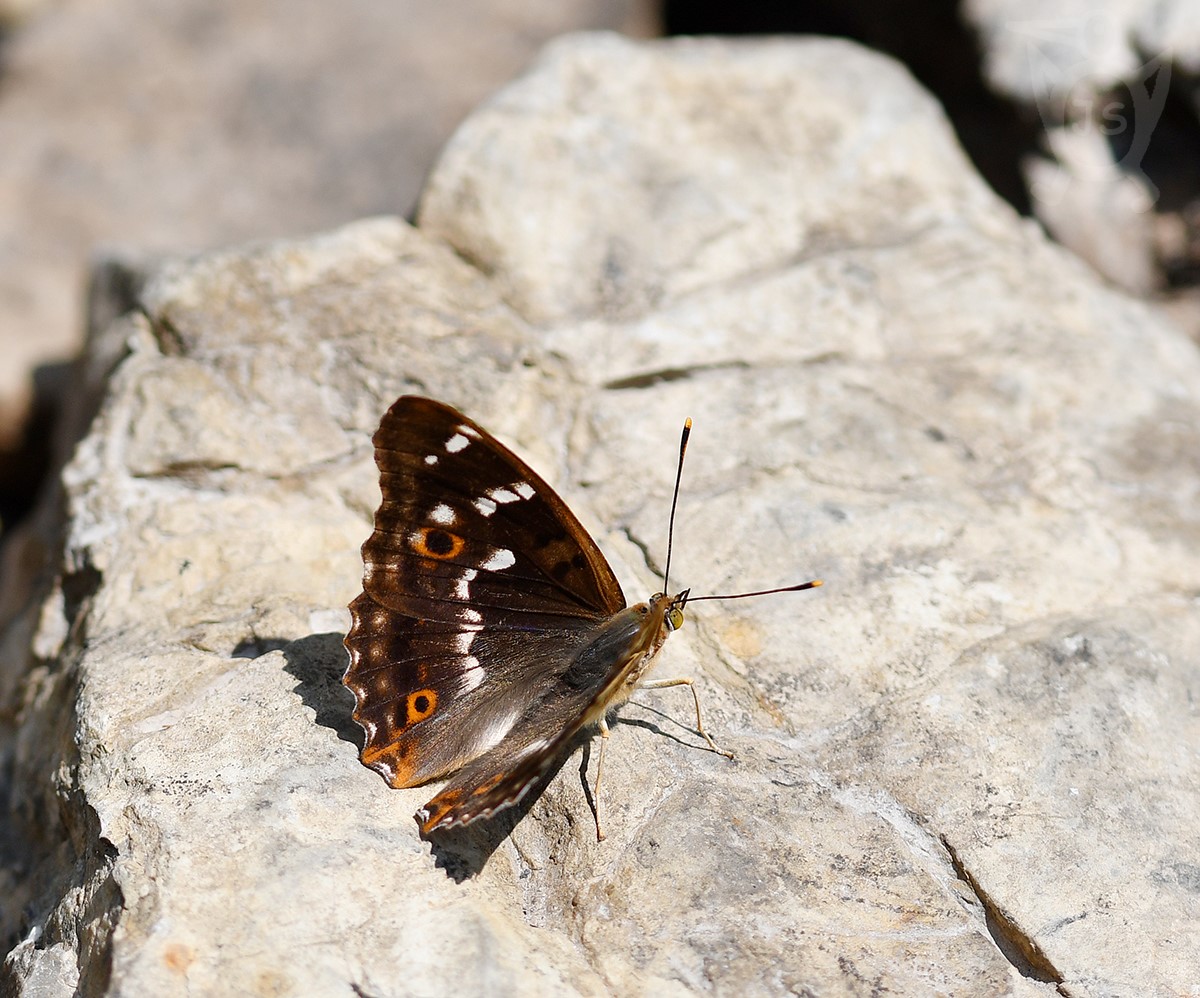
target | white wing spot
x=503, y=495
x=534, y=747
x=472, y=616
x=461, y=586
x=501, y=558
x=463, y=639
x=442, y=514
x=431, y=459
x=473, y=676
x=485, y=506
x=456, y=443
x=468, y=431
x=499, y=727
x=524, y=490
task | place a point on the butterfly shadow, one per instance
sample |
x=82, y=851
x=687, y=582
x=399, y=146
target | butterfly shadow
x=462, y=852
x=317, y=663
x=654, y=726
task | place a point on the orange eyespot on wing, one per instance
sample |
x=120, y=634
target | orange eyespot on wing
x=390, y=748
x=421, y=704
x=434, y=542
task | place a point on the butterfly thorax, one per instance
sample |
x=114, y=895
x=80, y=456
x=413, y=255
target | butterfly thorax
x=622, y=651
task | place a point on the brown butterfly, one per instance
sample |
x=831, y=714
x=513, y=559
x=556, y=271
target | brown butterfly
x=491, y=630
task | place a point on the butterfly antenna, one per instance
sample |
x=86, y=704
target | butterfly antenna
x=683, y=441
x=762, y=592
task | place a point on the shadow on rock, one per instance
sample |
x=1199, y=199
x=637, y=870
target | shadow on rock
x=464, y=851
x=317, y=662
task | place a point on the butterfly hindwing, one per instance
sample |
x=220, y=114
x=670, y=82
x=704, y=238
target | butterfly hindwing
x=600, y=673
x=432, y=697
x=503, y=776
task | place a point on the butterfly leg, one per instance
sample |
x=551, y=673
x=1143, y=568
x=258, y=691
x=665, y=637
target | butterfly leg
x=662, y=684
x=596, y=787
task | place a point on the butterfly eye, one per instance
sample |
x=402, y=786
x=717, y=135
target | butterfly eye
x=675, y=618
x=433, y=542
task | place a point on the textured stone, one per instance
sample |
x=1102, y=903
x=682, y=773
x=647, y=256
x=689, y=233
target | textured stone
x=224, y=121
x=966, y=766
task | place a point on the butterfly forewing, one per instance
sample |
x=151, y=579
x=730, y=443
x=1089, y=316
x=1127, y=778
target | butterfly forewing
x=479, y=587
x=462, y=514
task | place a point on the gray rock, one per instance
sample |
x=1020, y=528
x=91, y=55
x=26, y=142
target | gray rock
x=966, y=766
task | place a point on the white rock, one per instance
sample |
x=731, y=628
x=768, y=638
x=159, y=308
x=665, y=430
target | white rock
x=1098, y=211
x=267, y=120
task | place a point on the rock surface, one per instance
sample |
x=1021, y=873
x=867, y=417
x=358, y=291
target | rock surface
x=966, y=766
x=224, y=121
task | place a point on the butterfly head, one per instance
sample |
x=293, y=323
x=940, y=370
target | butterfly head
x=672, y=611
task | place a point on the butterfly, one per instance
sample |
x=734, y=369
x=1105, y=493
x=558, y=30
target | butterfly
x=491, y=630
